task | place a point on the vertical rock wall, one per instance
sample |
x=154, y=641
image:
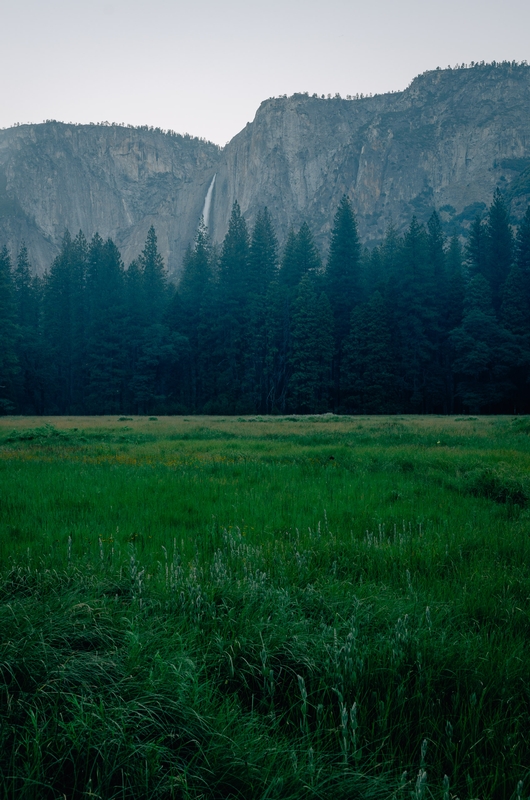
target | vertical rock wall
x=446, y=142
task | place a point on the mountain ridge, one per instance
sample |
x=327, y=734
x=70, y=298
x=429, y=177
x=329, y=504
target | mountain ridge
x=447, y=141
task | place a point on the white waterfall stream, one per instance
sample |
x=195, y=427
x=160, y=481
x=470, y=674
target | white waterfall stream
x=208, y=202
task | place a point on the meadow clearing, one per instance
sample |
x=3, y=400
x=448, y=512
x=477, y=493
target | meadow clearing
x=259, y=608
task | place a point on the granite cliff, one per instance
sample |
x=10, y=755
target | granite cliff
x=445, y=142
x=113, y=180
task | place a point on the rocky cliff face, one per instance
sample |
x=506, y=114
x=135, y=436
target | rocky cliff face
x=446, y=142
x=116, y=181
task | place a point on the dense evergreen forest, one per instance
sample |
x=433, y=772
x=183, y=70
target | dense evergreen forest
x=417, y=325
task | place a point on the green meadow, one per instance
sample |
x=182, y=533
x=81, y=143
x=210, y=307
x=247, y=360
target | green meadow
x=257, y=608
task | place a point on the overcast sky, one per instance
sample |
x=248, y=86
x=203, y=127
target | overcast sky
x=204, y=67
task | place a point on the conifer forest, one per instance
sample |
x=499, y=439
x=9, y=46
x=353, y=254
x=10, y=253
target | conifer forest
x=421, y=324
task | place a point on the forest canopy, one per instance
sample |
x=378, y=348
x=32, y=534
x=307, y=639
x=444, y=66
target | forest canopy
x=420, y=324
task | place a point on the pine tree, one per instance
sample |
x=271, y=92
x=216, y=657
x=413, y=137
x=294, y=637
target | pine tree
x=154, y=279
x=369, y=380
x=453, y=314
x=263, y=255
x=156, y=349
x=278, y=311
x=455, y=284
x=160, y=353
x=410, y=288
x=312, y=350
x=375, y=278
x=515, y=310
x=230, y=320
x=390, y=252
x=263, y=269
x=483, y=351
x=25, y=300
x=522, y=247
x=227, y=320
x=515, y=316
x=436, y=245
x=9, y=367
x=188, y=316
x=289, y=273
x=234, y=272
x=29, y=346
x=134, y=296
x=436, y=300
x=106, y=339
x=300, y=257
x=476, y=249
x=196, y=275
x=522, y=251
x=499, y=247
x=64, y=325
x=307, y=256
x=343, y=282
x=134, y=317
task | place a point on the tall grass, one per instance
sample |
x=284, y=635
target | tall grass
x=268, y=608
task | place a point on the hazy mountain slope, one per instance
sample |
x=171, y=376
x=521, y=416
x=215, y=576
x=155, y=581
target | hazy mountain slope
x=447, y=141
x=113, y=180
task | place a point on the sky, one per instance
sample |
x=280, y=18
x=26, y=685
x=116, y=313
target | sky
x=204, y=67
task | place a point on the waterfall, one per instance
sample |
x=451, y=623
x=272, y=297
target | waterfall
x=208, y=202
